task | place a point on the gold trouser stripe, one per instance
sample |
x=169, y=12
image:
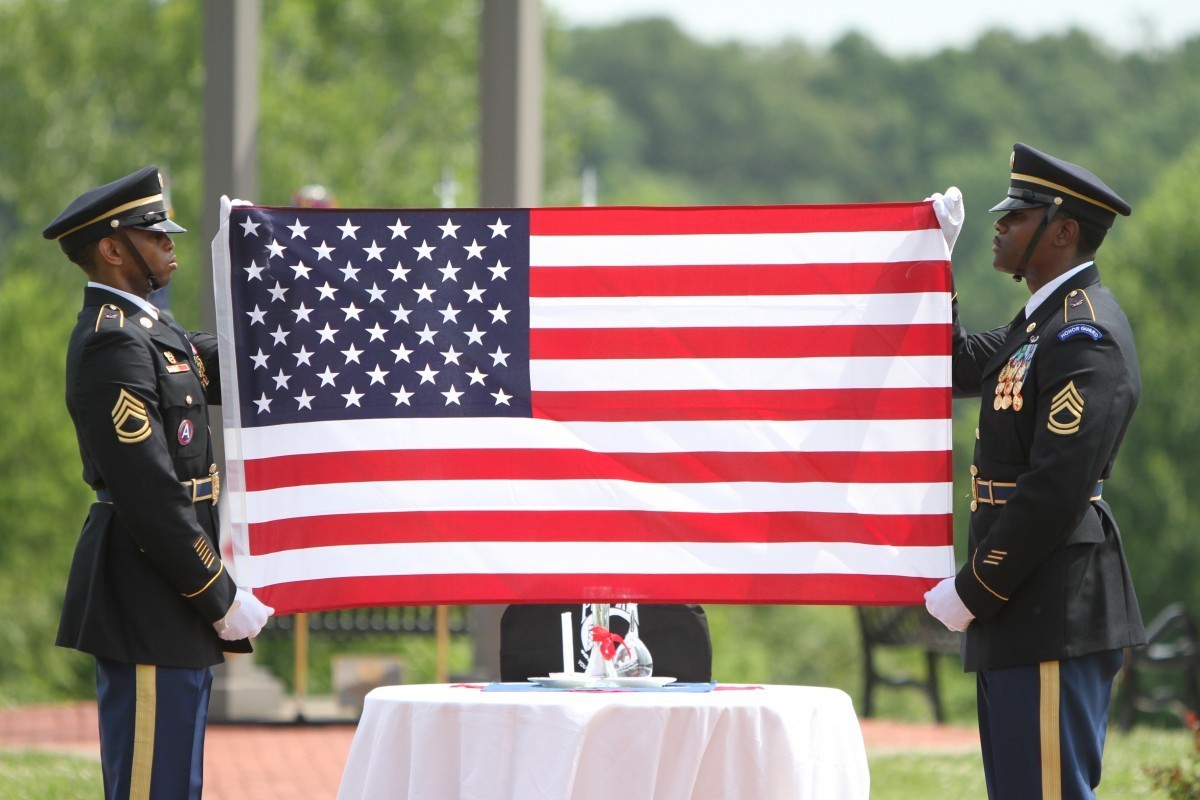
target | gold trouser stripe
x=143, y=732
x=1051, y=752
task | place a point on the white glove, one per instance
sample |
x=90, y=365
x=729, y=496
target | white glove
x=227, y=204
x=244, y=619
x=950, y=213
x=947, y=607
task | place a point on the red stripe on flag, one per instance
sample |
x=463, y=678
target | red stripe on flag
x=766, y=342
x=910, y=530
x=800, y=404
x=636, y=221
x=739, y=279
x=550, y=465
x=389, y=590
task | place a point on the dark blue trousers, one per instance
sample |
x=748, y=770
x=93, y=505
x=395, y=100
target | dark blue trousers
x=152, y=722
x=1042, y=726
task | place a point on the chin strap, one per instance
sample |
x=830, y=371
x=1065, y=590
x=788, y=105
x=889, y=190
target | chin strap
x=151, y=281
x=1051, y=210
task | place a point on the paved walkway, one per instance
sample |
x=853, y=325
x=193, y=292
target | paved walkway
x=304, y=761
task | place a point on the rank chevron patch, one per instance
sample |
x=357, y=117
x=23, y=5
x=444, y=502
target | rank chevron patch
x=130, y=419
x=1066, y=411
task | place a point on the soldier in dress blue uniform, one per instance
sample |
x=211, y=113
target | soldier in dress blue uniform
x=1045, y=598
x=148, y=595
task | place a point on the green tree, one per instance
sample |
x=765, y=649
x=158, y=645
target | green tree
x=372, y=99
x=375, y=99
x=1151, y=263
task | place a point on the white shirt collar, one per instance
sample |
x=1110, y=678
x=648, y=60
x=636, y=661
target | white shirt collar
x=1041, y=294
x=144, y=305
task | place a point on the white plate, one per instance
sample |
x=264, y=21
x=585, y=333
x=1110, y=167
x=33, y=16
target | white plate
x=562, y=683
x=637, y=683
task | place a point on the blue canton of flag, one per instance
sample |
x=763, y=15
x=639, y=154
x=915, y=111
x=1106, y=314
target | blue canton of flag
x=346, y=314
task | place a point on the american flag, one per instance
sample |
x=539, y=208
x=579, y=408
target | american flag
x=708, y=404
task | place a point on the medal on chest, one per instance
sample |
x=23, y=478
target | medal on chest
x=1011, y=379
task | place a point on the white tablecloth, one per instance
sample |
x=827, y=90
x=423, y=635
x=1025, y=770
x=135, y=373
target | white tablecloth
x=443, y=742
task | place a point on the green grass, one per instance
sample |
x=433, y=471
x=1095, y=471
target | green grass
x=914, y=775
x=900, y=775
x=42, y=776
x=805, y=645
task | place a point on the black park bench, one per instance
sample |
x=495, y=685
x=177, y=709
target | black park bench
x=886, y=627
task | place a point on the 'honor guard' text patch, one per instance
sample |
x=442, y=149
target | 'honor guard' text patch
x=1077, y=329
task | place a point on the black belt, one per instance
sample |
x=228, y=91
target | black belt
x=997, y=493
x=200, y=489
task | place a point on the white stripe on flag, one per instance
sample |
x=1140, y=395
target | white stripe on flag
x=738, y=248
x=649, y=374
x=371, y=497
x=621, y=558
x=748, y=311
x=722, y=436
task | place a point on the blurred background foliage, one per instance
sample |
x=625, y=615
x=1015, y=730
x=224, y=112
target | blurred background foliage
x=378, y=102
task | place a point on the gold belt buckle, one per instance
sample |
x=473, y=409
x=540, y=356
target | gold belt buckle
x=976, y=499
x=213, y=479
x=216, y=483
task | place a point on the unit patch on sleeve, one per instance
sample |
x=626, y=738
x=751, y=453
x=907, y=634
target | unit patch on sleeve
x=130, y=419
x=1066, y=411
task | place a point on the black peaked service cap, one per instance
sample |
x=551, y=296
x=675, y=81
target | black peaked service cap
x=135, y=201
x=1039, y=179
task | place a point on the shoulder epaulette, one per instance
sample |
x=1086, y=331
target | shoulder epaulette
x=1077, y=307
x=108, y=313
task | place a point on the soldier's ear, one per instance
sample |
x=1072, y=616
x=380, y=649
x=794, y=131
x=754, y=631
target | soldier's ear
x=108, y=252
x=1068, y=232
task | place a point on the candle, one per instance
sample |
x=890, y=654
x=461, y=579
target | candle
x=568, y=643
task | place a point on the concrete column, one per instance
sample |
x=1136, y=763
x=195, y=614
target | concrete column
x=510, y=88
x=510, y=84
x=241, y=691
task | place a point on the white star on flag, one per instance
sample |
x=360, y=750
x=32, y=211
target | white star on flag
x=499, y=272
x=374, y=252
x=399, y=229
